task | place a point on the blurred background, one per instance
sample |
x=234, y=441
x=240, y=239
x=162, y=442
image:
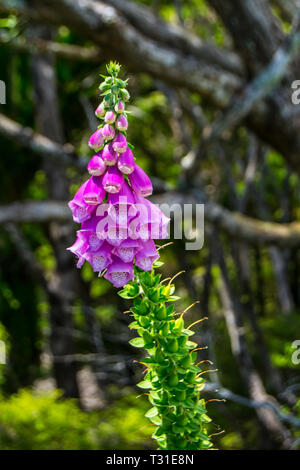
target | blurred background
x=213, y=120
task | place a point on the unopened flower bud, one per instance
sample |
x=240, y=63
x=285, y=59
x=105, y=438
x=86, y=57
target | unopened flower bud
x=93, y=192
x=120, y=107
x=113, y=180
x=120, y=143
x=109, y=156
x=97, y=139
x=108, y=132
x=122, y=123
x=96, y=166
x=126, y=162
x=100, y=111
x=110, y=117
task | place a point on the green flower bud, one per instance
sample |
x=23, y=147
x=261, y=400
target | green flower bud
x=144, y=308
x=172, y=345
x=161, y=313
x=180, y=395
x=182, y=340
x=144, y=321
x=153, y=295
x=173, y=380
x=124, y=94
x=186, y=361
x=147, y=337
x=190, y=377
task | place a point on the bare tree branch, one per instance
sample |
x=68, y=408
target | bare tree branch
x=67, y=51
x=63, y=154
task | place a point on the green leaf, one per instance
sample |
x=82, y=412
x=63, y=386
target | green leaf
x=134, y=325
x=152, y=412
x=146, y=384
x=137, y=342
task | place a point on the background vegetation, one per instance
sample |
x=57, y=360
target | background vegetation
x=211, y=121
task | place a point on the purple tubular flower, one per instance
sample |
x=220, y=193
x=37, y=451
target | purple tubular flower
x=110, y=117
x=108, y=132
x=122, y=123
x=119, y=273
x=112, y=180
x=93, y=192
x=127, y=250
x=145, y=257
x=100, y=111
x=140, y=182
x=120, y=143
x=80, y=209
x=96, y=166
x=96, y=140
x=120, y=107
x=126, y=162
x=109, y=156
x=99, y=259
x=90, y=238
x=79, y=248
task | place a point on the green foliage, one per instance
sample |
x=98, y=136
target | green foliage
x=32, y=421
x=173, y=380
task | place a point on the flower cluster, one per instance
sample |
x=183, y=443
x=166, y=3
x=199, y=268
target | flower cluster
x=118, y=223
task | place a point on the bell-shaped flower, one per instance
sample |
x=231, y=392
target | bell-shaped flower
x=120, y=143
x=96, y=166
x=150, y=221
x=81, y=211
x=78, y=249
x=96, y=140
x=120, y=204
x=109, y=156
x=127, y=250
x=126, y=162
x=119, y=273
x=112, y=180
x=93, y=192
x=146, y=256
x=99, y=259
x=140, y=182
x=122, y=123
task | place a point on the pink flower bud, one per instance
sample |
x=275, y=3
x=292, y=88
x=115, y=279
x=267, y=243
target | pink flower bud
x=94, y=192
x=140, y=182
x=100, y=111
x=122, y=123
x=120, y=143
x=109, y=156
x=96, y=166
x=108, y=132
x=110, y=117
x=126, y=162
x=112, y=180
x=96, y=140
x=120, y=107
